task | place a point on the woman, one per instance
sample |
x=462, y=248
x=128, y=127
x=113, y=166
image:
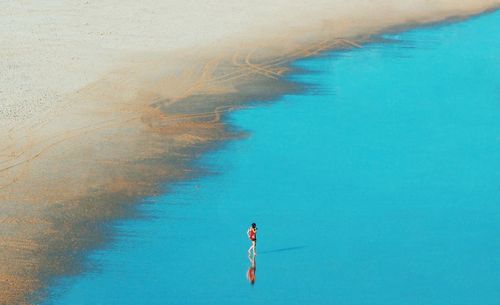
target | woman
x=252, y=234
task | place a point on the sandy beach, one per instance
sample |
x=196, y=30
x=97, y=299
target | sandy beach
x=101, y=102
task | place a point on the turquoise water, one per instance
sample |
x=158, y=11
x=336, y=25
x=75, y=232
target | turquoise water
x=381, y=185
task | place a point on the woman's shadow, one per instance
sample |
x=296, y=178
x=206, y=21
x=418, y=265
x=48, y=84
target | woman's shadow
x=253, y=265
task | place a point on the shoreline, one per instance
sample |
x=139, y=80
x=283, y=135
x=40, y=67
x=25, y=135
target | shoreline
x=175, y=129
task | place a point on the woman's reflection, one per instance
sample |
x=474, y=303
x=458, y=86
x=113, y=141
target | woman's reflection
x=251, y=270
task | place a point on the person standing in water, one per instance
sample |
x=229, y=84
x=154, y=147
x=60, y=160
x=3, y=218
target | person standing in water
x=252, y=234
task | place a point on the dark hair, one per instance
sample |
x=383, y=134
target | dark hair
x=253, y=225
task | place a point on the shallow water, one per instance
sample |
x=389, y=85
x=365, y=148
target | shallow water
x=381, y=185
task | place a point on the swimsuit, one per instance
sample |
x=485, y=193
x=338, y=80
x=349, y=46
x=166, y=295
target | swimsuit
x=253, y=235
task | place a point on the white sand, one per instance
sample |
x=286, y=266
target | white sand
x=51, y=48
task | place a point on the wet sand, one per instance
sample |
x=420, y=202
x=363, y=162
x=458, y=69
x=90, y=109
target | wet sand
x=68, y=169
